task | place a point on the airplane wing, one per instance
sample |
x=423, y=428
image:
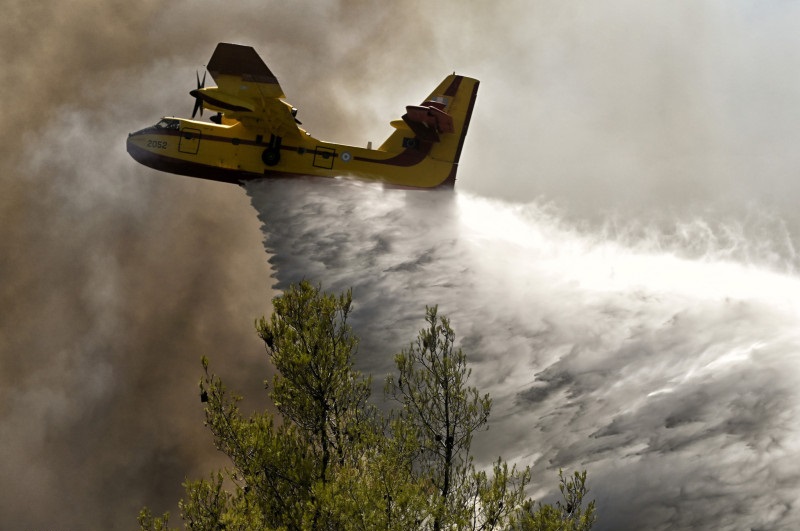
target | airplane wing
x=248, y=91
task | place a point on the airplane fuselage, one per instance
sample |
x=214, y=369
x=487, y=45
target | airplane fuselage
x=234, y=154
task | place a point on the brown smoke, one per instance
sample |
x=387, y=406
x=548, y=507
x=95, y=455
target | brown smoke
x=116, y=279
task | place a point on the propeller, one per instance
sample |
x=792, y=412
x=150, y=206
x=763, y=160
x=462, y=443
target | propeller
x=198, y=102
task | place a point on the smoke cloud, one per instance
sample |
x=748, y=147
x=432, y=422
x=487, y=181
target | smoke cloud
x=116, y=280
x=637, y=311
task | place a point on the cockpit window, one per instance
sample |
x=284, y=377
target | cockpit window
x=169, y=123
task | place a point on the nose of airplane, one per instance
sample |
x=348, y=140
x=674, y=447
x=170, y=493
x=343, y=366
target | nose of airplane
x=135, y=150
x=128, y=142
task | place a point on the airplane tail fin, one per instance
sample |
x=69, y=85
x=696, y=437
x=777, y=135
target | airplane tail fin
x=439, y=125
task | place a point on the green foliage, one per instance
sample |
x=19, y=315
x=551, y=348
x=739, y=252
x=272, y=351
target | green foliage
x=566, y=515
x=148, y=522
x=437, y=403
x=335, y=462
x=316, y=389
x=443, y=412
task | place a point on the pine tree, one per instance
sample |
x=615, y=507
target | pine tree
x=444, y=412
x=333, y=461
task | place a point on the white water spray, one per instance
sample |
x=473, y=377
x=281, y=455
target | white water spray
x=664, y=365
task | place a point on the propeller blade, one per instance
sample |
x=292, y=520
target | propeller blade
x=198, y=103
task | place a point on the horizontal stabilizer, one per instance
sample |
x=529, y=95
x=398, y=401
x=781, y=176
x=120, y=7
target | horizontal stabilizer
x=428, y=120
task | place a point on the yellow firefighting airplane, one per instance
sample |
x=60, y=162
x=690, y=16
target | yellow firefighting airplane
x=255, y=133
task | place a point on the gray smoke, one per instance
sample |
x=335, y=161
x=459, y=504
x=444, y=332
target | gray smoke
x=655, y=128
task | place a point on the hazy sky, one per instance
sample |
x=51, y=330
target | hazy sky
x=116, y=279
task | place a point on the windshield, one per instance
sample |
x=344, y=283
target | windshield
x=168, y=123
